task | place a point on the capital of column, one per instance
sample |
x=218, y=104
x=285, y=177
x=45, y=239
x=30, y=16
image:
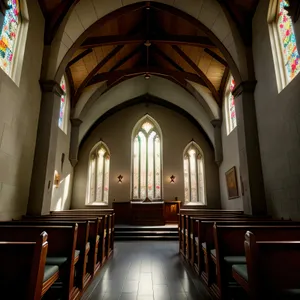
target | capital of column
x=75, y=122
x=217, y=123
x=244, y=87
x=51, y=86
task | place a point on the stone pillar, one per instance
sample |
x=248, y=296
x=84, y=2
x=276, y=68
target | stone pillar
x=45, y=150
x=217, y=123
x=74, y=142
x=253, y=192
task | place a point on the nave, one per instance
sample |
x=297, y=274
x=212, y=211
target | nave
x=144, y=271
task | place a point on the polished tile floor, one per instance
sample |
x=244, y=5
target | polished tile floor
x=146, y=270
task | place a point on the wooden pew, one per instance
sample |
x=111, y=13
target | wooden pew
x=22, y=268
x=85, y=245
x=61, y=256
x=272, y=270
x=203, y=242
x=229, y=245
x=184, y=225
x=95, y=212
x=105, y=230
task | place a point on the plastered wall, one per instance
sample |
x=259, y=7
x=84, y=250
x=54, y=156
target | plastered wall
x=278, y=117
x=116, y=132
x=19, y=112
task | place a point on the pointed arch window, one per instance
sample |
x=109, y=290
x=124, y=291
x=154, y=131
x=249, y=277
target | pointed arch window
x=230, y=107
x=194, y=179
x=146, y=160
x=98, y=175
x=9, y=34
x=63, y=116
x=285, y=53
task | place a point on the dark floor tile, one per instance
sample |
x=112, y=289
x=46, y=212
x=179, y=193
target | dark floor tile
x=146, y=271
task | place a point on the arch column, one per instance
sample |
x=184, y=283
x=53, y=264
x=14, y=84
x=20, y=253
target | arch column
x=74, y=142
x=217, y=124
x=45, y=150
x=253, y=192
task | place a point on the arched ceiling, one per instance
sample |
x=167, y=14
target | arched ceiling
x=158, y=87
x=147, y=41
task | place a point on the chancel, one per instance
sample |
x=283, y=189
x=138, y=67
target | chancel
x=149, y=149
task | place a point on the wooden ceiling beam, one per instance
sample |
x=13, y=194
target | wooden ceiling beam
x=199, y=41
x=101, y=64
x=216, y=57
x=112, y=76
x=126, y=58
x=222, y=88
x=71, y=82
x=199, y=72
x=167, y=58
x=79, y=57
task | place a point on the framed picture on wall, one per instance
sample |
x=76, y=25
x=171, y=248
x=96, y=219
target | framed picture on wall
x=232, y=186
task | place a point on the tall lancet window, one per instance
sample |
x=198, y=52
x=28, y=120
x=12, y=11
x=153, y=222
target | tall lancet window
x=230, y=107
x=63, y=114
x=285, y=53
x=147, y=160
x=9, y=34
x=98, y=175
x=194, y=178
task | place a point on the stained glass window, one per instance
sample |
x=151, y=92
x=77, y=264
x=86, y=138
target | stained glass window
x=193, y=169
x=98, y=177
x=290, y=53
x=230, y=107
x=62, y=110
x=146, y=177
x=9, y=35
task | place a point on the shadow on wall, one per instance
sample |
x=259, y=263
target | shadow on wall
x=60, y=195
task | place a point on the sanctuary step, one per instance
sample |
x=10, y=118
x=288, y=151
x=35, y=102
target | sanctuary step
x=127, y=232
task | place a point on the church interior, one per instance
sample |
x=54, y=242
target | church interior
x=149, y=149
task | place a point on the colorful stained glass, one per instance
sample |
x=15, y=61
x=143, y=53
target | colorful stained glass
x=231, y=115
x=193, y=166
x=186, y=179
x=99, y=175
x=193, y=175
x=136, y=168
x=150, y=164
x=143, y=165
x=288, y=40
x=106, y=178
x=147, y=126
x=200, y=179
x=157, y=168
x=92, y=179
x=8, y=36
x=62, y=104
x=146, y=179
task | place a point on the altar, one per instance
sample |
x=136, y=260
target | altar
x=141, y=213
x=147, y=213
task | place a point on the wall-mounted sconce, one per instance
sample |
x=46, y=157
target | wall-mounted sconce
x=172, y=179
x=56, y=179
x=120, y=177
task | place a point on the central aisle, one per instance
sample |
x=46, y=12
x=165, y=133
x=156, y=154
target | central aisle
x=146, y=270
